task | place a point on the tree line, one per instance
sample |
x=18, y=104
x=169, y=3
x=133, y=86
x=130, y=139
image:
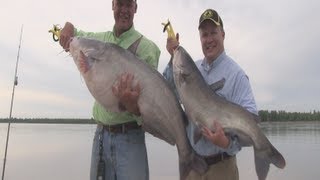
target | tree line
x=281, y=115
x=49, y=120
x=265, y=115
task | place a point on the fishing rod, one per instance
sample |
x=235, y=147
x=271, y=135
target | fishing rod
x=15, y=83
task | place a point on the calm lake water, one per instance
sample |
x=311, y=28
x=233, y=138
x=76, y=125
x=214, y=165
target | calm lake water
x=62, y=152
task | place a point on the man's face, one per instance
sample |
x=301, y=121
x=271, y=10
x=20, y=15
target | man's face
x=211, y=37
x=123, y=11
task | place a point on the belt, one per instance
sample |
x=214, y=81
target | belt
x=121, y=128
x=210, y=160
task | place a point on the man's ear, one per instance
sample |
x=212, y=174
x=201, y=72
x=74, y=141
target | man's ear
x=223, y=33
x=136, y=8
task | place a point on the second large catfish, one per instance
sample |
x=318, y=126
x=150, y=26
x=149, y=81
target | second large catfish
x=202, y=105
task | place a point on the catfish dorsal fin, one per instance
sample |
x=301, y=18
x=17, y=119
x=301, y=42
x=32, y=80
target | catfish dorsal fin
x=218, y=85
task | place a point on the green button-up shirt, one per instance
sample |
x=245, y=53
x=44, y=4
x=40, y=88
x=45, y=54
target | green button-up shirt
x=146, y=51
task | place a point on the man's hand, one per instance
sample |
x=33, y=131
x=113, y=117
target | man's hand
x=66, y=33
x=127, y=94
x=218, y=137
x=172, y=44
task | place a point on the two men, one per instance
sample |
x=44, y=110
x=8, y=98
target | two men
x=214, y=66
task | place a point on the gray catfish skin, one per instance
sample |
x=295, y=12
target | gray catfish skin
x=160, y=110
x=203, y=106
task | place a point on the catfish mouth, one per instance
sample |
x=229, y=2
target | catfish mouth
x=73, y=43
x=179, y=67
x=176, y=61
x=79, y=55
x=75, y=48
x=179, y=73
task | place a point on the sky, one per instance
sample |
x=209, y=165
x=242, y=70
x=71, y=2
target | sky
x=276, y=42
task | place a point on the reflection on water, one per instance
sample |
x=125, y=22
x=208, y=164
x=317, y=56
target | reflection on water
x=51, y=152
x=298, y=142
x=293, y=132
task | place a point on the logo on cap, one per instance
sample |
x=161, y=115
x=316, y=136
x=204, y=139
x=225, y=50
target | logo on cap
x=207, y=15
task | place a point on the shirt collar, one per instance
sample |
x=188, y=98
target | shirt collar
x=207, y=67
x=126, y=38
x=124, y=34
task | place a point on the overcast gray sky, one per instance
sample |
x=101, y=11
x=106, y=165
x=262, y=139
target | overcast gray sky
x=276, y=42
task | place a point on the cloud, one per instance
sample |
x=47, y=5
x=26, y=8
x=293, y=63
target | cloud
x=275, y=42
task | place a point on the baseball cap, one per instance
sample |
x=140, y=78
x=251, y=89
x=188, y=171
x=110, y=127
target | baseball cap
x=212, y=15
x=132, y=0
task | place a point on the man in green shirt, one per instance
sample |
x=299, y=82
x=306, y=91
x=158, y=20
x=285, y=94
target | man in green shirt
x=119, y=142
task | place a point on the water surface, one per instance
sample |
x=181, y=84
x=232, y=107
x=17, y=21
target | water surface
x=62, y=152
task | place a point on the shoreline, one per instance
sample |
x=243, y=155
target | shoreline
x=91, y=121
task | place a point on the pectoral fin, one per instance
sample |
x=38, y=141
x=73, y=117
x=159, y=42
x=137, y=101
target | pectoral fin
x=83, y=65
x=218, y=85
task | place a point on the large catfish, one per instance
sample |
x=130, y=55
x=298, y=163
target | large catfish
x=101, y=64
x=202, y=105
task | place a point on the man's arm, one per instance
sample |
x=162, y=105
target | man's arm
x=243, y=94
